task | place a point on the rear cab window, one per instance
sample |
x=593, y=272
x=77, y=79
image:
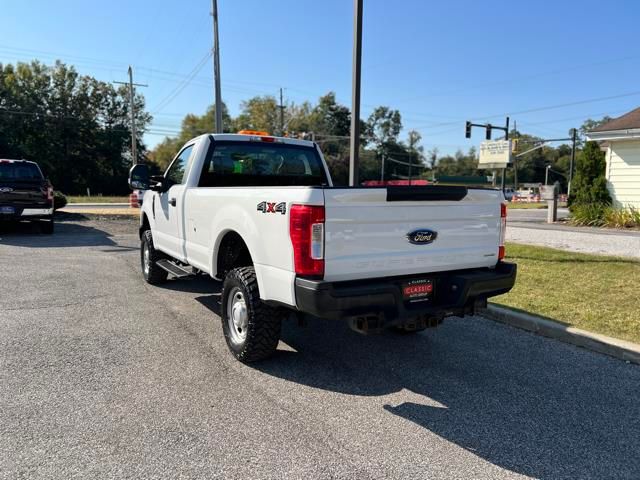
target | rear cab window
x=242, y=163
x=19, y=171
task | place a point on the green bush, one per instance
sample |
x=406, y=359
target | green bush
x=59, y=200
x=600, y=215
x=588, y=214
x=589, y=186
x=622, y=217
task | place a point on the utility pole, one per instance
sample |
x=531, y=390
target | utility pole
x=132, y=108
x=574, y=135
x=515, y=160
x=354, y=159
x=281, y=107
x=216, y=67
x=506, y=137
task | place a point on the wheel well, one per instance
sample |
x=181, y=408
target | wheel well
x=233, y=253
x=144, y=226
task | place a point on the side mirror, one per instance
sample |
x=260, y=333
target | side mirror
x=158, y=183
x=139, y=177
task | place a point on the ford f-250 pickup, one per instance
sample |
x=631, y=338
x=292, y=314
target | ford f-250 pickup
x=260, y=213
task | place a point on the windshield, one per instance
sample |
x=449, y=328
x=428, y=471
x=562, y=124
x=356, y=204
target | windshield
x=237, y=164
x=19, y=171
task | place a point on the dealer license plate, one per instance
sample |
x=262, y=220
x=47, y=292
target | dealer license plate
x=418, y=290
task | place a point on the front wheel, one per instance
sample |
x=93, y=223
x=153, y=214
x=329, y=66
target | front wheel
x=151, y=272
x=251, y=328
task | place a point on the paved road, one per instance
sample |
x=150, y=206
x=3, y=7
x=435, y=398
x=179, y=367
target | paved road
x=533, y=214
x=103, y=376
x=70, y=207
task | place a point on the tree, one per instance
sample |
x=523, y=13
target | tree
x=330, y=118
x=383, y=127
x=192, y=126
x=259, y=113
x=588, y=125
x=590, y=184
x=76, y=127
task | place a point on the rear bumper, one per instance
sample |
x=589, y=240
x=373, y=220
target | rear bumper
x=27, y=213
x=455, y=293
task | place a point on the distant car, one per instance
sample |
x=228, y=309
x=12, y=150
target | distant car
x=509, y=193
x=25, y=194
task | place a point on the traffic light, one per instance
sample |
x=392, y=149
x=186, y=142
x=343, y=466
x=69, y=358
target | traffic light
x=467, y=130
x=514, y=145
x=488, y=137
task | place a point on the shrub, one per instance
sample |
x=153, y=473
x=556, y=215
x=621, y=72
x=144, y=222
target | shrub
x=590, y=184
x=588, y=214
x=599, y=215
x=622, y=217
x=59, y=200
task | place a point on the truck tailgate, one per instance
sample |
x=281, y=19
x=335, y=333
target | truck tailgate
x=21, y=193
x=366, y=231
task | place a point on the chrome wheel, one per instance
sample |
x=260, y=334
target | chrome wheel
x=237, y=316
x=146, y=258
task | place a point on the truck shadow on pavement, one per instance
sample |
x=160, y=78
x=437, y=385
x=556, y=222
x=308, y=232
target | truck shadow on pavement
x=74, y=234
x=521, y=402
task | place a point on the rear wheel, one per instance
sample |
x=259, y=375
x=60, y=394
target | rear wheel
x=152, y=273
x=251, y=328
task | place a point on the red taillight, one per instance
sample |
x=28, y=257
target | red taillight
x=503, y=230
x=306, y=229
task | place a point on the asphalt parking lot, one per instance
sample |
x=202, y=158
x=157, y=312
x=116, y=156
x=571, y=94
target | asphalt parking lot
x=103, y=376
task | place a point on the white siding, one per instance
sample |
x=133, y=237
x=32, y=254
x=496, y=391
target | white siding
x=623, y=173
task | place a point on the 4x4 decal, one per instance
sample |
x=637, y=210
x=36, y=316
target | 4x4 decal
x=272, y=207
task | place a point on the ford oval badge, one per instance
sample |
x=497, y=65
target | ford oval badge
x=422, y=236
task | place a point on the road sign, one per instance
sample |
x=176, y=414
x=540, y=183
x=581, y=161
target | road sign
x=495, y=154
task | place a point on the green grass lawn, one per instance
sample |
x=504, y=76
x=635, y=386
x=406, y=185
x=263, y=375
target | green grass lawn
x=528, y=206
x=525, y=206
x=97, y=199
x=593, y=292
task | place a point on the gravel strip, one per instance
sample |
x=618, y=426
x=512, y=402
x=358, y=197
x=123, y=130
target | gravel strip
x=623, y=245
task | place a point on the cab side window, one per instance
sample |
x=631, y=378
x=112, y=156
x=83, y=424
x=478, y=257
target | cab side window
x=178, y=169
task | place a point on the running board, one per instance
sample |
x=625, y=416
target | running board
x=173, y=269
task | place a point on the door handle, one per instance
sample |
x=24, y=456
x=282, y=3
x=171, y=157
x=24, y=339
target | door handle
x=172, y=202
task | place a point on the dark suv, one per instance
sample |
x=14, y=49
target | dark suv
x=25, y=194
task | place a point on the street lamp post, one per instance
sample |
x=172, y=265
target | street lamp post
x=546, y=174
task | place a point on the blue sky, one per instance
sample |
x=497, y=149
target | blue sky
x=440, y=63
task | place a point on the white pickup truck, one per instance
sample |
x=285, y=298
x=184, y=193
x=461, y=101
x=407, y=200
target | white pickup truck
x=260, y=213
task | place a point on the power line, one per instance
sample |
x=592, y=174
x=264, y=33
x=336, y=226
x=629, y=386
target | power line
x=540, y=109
x=176, y=91
x=519, y=79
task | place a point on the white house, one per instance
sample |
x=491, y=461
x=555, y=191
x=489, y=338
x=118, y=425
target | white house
x=621, y=140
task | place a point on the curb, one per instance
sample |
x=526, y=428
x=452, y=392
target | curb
x=621, y=349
